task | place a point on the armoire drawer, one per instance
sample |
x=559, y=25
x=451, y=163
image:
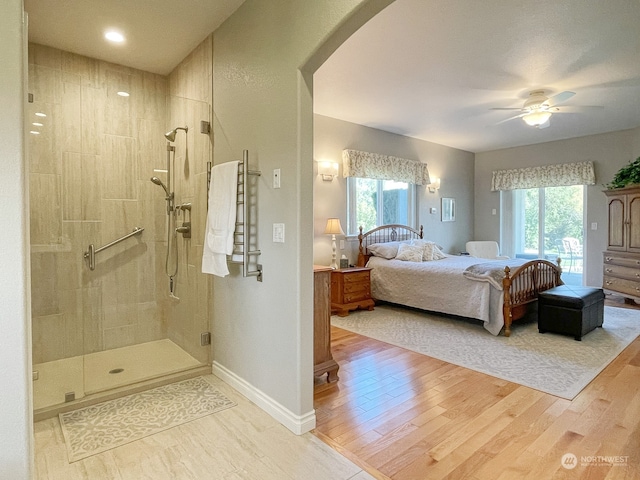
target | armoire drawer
x=617, y=271
x=621, y=285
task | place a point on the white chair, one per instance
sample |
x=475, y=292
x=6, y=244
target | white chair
x=485, y=249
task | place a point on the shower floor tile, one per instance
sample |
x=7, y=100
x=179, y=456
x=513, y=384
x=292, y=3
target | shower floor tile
x=89, y=374
x=55, y=379
x=139, y=362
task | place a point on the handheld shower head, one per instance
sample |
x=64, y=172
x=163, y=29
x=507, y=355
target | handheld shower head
x=171, y=136
x=157, y=181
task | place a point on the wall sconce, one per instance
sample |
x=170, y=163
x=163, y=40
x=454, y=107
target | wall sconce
x=435, y=185
x=328, y=170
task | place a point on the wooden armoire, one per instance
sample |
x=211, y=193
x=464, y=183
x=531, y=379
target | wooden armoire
x=622, y=257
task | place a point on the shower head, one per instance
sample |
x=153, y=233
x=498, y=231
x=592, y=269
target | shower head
x=171, y=136
x=157, y=181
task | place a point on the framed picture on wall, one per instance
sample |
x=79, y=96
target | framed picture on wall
x=448, y=209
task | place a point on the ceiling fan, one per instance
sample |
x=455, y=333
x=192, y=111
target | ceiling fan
x=538, y=108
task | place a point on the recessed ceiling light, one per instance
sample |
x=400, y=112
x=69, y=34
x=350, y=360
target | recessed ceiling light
x=114, y=36
x=123, y=94
x=40, y=114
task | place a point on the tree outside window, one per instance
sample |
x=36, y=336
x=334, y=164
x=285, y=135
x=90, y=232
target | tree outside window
x=372, y=203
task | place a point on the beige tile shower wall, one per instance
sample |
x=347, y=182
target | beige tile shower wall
x=190, y=87
x=89, y=183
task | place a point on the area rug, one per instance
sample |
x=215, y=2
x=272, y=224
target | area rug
x=97, y=428
x=551, y=363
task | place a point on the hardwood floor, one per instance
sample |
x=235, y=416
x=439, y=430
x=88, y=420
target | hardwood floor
x=405, y=416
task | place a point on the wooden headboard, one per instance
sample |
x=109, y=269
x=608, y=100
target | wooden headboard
x=384, y=234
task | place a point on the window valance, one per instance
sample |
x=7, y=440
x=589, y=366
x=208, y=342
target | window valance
x=564, y=174
x=384, y=167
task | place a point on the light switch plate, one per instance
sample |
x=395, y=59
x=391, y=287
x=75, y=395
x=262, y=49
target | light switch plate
x=276, y=178
x=278, y=232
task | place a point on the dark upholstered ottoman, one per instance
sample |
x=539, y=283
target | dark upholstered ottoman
x=570, y=310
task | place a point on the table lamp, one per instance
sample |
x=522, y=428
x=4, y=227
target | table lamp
x=333, y=228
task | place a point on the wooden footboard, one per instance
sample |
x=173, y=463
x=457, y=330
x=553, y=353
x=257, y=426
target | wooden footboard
x=521, y=287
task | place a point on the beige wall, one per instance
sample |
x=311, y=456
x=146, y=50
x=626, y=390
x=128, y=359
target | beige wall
x=454, y=167
x=16, y=419
x=608, y=151
x=263, y=332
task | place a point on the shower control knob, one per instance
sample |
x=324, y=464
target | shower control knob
x=185, y=230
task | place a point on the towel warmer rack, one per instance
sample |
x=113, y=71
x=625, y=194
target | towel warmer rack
x=91, y=253
x=241, y=235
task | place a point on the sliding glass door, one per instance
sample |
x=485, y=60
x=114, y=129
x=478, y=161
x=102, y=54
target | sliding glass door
x=549, y=223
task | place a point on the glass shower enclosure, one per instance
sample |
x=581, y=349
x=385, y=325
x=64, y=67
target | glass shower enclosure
x=92, y=150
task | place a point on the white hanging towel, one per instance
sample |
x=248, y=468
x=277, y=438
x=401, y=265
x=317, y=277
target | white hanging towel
x=221, y=219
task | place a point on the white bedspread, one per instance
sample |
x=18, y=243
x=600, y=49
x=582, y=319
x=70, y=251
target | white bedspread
x=492, y=271
x=438, y=286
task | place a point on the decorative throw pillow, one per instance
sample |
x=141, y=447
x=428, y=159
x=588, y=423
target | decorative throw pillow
x=438, y=254
x=410, y=253
x=387, y=250
x=431, y=251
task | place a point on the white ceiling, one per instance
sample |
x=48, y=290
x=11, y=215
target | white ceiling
x=433, y=69
x=159, y=33
x=430, y=69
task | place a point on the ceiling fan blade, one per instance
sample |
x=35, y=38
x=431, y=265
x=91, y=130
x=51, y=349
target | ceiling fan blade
x=578, y=108
x=511, y=118
x=559, y=98
x=511, y=108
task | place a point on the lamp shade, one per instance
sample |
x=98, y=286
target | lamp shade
x=333, y=227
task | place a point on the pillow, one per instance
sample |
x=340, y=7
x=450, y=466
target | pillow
x=387, y=250
x=438, y=254
x=431, y=251
x=410, y=253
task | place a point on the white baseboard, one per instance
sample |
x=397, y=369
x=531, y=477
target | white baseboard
x=298, y=424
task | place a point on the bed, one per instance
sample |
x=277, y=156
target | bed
x=495, y=292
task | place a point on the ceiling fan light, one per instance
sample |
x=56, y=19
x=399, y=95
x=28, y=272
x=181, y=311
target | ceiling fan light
x=536, y=118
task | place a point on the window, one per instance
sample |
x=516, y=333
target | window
x=548, y=223
x=371, y=203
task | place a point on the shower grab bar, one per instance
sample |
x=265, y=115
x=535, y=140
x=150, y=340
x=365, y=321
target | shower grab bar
x=91, y=253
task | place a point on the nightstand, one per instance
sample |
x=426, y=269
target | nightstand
x=323, y=361
x=350, y=289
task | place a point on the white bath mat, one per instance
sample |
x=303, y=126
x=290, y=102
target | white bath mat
x=110, y=424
